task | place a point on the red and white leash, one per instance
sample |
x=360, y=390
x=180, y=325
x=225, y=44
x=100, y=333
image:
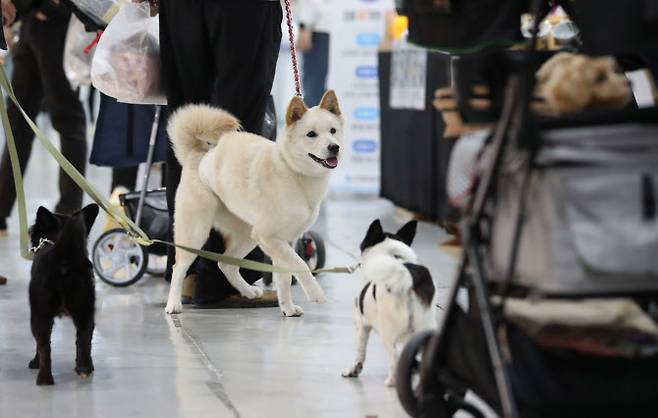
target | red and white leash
x=293, y=51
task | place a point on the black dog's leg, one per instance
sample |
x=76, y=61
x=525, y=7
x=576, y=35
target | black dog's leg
x=84, y=365
x=42, y=329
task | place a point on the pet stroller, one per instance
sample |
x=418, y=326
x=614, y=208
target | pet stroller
x=565, y=216
x=120, y=261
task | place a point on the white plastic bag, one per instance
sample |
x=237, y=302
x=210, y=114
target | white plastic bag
x=101, y=11
x=126, y=64
x=78, y=54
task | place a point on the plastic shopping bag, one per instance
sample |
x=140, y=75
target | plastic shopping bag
x=126, y=64
x=101, y=11
x=78, y=51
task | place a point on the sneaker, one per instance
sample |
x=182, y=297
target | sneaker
x=3, y=228
x=3, y=280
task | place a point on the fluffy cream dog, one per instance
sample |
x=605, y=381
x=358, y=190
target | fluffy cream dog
x=570, y=83
x=252, y=190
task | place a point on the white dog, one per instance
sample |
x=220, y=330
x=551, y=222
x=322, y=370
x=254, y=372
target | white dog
x=397, y=298
x=252, y=190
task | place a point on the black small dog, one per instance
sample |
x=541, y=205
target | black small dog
x=62, y=283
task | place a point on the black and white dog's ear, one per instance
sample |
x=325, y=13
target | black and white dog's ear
x=408, y=232
x=374, y=236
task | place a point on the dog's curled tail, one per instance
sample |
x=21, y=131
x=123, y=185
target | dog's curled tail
x=194, y=129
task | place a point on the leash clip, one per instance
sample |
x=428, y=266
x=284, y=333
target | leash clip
x=42, y=243
x=352, y=269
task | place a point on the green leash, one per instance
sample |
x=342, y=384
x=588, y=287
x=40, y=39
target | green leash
x=131, y=228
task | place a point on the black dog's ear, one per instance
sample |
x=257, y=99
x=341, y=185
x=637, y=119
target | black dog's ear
x=374, y=236
x=46, y=220
x=408, y=232
x=89, y=214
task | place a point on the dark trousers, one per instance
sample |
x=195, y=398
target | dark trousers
x=38, y=79
x=315, y=69
x=124, y=177
x=221, y=52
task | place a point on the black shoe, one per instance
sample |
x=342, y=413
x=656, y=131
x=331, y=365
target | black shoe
x=3, y=226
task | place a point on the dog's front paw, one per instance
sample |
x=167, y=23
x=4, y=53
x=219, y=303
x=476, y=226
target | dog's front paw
x=292, y=310
x=84, y=371
x=390, y=382
x=45, y=379
x=252, y=292
x=174, y=307
x=355, y=371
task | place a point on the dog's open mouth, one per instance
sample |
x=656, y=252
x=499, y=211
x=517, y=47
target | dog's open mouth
x=329, y=163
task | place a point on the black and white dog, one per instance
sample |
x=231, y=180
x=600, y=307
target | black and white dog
x=397, y=297
x=62, y=284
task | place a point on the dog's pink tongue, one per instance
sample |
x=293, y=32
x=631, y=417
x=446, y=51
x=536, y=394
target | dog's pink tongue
x=332, y=162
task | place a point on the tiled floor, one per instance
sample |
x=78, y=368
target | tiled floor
x=219, y=363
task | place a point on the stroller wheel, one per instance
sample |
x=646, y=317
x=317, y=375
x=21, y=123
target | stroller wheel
x=310, y=247
x=119, y=260
x=407, y=376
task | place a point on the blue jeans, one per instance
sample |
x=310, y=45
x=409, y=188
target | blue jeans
x=315, y=69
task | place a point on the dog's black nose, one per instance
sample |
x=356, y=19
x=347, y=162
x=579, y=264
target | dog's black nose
x=334, y=148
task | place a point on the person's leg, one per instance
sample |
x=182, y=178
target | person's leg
x=63, y=104
x=187, y=74
x=315, y=69
x=124, y=177
x=245, y=41
x=27, y=86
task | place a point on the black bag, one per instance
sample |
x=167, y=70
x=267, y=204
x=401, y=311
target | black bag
x=461, y=24
x=123, y=132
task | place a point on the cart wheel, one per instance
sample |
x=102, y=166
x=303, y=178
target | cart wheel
x=310, y=248
x=118, y=259
x=407, y=376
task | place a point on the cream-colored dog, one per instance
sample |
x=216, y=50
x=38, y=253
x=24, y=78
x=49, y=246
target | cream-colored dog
x=252, y=190
x=570, y=83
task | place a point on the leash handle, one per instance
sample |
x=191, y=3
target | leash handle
x=293, y=51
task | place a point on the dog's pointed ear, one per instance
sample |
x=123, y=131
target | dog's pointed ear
x=46, y=220
x=89, y=214
x=374, y=236
x=330, y=102
x=408, y=232
x=296, y=110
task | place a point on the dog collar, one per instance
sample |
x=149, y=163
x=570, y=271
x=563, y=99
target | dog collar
x=42, y=243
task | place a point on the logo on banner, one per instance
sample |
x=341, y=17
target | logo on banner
x=368, y=39
x=367, y=71
x=366, y=113
x=364, y=146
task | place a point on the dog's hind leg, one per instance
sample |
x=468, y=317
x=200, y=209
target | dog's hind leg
x=42, y=328
x=389, y=346
x=362, y=335
x=84, y=365
x=192, y=224
x=183, y=262
x=239, y=246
